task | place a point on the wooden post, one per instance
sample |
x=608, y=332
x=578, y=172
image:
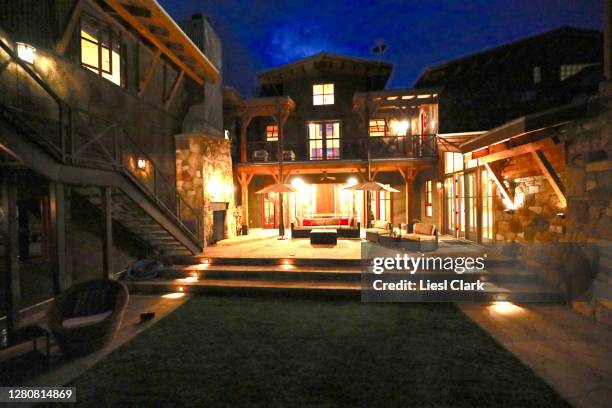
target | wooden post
x=64, y=40
x=107, y=232
x=10, y=231
x=244, y=126
x=244, y=180
x=551, y=175
x=57, y=209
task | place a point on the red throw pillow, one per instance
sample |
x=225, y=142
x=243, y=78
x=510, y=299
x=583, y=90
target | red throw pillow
x=307, y=222
x=344, y=221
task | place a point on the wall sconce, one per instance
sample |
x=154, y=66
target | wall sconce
x=561, y=215
x=439, y=185
x=141, y=164
x=26, y=52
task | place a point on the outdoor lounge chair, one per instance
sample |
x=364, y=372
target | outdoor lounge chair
x=85, y=317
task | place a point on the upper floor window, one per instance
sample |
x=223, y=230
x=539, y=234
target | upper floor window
x=453, y=162
x=378, y=127
x=566, y=71
x=271, y=133
x=101, y=49
x=537, y=75
x=323, y=140
x=323, y=94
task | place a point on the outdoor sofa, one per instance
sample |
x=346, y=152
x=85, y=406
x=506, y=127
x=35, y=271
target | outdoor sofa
x=347, y=227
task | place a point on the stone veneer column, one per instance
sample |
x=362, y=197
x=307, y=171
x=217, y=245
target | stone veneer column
x=204, y=175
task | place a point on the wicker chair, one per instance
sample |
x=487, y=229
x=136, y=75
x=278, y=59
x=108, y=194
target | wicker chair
x=85, y=317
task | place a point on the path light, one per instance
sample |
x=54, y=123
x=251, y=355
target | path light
x=173, y=295
x=504, y=307
x=26, y=52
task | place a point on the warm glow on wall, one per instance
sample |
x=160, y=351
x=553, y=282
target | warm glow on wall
x=399, y=127
x=352, y=181
x=297, y=183
x=26, y=52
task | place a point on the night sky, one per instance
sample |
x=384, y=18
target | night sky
x=262, y=34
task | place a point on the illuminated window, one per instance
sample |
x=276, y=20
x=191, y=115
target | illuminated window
x=566, y=71
x=428, y=198
x=324, y=140
x=101, y=50
x=323, y=94
x=453, y=162
x=378, y=127
x=272, y=133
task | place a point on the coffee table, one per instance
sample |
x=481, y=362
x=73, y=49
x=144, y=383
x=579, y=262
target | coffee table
x=324, y=236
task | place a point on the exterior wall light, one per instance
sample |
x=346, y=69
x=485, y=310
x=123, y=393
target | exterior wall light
x=439, y=185
x=399, y=127
x=141, y=164
x=26, y=52
x=561, y=215
x=352, y=181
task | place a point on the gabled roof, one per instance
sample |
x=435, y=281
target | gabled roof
x=324, y=61
x=151, y=21
x=573, y=38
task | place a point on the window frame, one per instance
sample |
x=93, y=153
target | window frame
x=429, y=198
x=324, y=94
x=114, y=39
x=271, y=132
x=324, y=139
x=377, y=125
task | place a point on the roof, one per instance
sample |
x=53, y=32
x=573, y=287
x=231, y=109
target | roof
x=332, y=62
x=151, y=21
x=501, y=52
x=536, y=122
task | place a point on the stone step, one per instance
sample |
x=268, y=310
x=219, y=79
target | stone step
x=516, y=292
x=308, y=273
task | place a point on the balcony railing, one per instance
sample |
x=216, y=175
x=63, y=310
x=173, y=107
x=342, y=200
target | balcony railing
x=78, y=138
x=351, y=148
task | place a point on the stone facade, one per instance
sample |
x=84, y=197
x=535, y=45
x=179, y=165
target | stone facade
x=204, y=176
x=570, y=246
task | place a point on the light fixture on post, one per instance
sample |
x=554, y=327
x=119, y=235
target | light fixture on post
x=439, y=185
x=26, y=52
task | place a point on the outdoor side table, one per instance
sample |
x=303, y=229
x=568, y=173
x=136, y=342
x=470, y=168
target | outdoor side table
x=324, y=236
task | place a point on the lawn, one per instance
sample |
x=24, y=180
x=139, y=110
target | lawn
x=232, y=351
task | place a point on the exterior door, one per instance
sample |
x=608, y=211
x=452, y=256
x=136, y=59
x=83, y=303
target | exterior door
x=471, y=206
x=269, y=210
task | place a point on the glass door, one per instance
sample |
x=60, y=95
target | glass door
x=269, y=210
x=486, y=234
x=471, y=208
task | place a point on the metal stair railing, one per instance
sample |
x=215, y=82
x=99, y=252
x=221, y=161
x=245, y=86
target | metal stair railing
x=76, y=137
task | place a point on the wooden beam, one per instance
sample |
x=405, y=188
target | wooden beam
x=140, y=27
x=138, y=11
x=174, y=46
x=496, y=176
x=551, y=175
x=158, y=30
x=175, y=87
x=148, y=73
x=57, y=210
x=10, y=230
x=107, y=232
x=64, y=40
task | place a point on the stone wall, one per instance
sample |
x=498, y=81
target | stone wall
x=570, y=246
x=204, y=175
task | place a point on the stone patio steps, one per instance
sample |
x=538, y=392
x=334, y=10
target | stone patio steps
x=510, y=292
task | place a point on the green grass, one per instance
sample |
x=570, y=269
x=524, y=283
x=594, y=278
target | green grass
x=231, y=351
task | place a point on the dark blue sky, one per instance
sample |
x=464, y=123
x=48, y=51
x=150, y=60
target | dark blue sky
x=261, y=34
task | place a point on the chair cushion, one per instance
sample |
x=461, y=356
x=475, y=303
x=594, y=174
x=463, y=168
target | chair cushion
x=424, y=228
x=418, y=237
x=83, y=321
x=91, y=302
x=380, y=224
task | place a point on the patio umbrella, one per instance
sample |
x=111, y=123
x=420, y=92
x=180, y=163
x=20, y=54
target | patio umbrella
x=371, y=186
x=279, y=188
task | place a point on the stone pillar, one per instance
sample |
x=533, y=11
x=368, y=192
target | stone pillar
x=204, y=175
